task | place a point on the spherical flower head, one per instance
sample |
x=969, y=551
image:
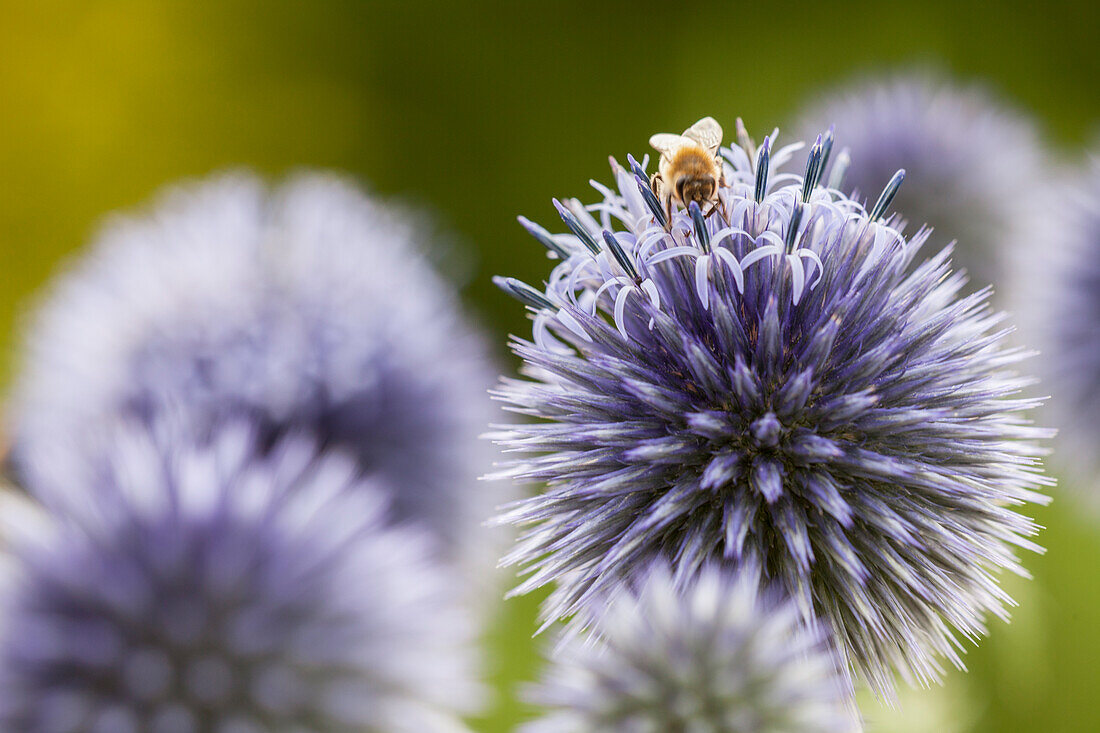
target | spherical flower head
x=778, y=381
x=307, y=307
x=964, y=153
x=1056, y=294
x=214, y=587
x=720, y=655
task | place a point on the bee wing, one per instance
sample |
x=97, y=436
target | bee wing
x=665, y=142
x=707, y=132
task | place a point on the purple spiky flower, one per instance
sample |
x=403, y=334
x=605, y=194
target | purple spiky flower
x=963, y=149
x=307, y=307
x=209, y=585
x=779, y=383
x=723, y=654
x=1056, y=296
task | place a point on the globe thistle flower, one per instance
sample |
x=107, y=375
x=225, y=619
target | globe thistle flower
x=722, y=655
x=212, y=586
x=963, y=151
x=779, y=382
x=309, y=307
x=1056, y=294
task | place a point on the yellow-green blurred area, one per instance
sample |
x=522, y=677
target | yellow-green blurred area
x=480, y=112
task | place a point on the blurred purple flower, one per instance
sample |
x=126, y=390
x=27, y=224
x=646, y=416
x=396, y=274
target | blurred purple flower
x=308, y=307
x=963, y=151
x=210, y=586
x=1056, y=295
x=778, y=382
x=720, y=655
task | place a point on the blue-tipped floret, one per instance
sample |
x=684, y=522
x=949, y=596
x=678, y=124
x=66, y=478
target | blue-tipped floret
x=524, y=293
x=700, y=225
x=648, y=196
x=827, y=147
x=619, y=255
x=792, y=228
x=887, y=196
x=544, y=237
x=762, y=161
x=814, y=166
x=575, y=226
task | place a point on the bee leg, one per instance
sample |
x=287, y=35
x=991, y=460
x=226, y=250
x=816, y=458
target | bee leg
x=657, y=185
x=716, y=206
x=720, y=205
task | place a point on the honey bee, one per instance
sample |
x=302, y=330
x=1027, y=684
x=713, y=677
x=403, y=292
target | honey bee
x=689, y=169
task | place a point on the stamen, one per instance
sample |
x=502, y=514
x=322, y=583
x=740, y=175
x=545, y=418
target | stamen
x=792, y=231
x=524, y=293
x=887, y=196
x=619, y=255
x=700, y=226
x=827, y=147
x=544, y=238
x=648, y=196
x=575, y=227
x=813, y=169
x=762, y=169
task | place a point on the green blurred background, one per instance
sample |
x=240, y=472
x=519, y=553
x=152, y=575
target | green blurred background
x=484, y=111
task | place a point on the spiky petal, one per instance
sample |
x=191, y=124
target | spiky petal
x=817, y=398
x=307, y=307
x=210, y=585
x=721, y=655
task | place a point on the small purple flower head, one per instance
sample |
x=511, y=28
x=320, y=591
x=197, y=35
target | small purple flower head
x=308, y=307
x=964, y=154
x=779, y=382
x=719, y=655
x=1056, y=295
x=216, y=587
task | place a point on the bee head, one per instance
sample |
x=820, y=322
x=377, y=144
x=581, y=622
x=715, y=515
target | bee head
x=698, y=189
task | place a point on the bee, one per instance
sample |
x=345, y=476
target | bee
x=690, y=168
